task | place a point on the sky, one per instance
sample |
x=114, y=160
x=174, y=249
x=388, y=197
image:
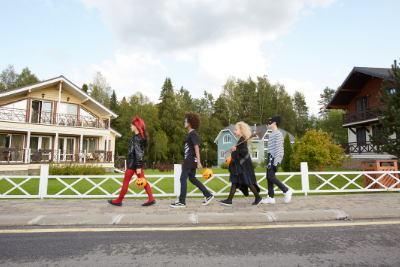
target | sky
x=306, y=45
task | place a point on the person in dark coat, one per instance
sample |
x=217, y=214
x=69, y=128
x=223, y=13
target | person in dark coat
x=135, y=162
x=241, y=168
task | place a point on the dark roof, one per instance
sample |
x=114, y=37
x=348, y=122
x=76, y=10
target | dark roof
x=260, y=128
x=355, y=81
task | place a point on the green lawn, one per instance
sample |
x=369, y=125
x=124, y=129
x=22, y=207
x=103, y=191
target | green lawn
x=167, y=184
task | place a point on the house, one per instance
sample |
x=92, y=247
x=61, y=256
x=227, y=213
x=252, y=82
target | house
x=358, y=96
x=53, y=121
x=258, y=145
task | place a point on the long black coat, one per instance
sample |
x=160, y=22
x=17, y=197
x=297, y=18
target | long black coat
x=240, y=161
x=136, y=152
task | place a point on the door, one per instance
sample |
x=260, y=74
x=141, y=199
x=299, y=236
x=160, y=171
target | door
x=67, y=147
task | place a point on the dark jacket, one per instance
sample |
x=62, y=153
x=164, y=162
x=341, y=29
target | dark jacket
x=241, y=161
x=136, y=152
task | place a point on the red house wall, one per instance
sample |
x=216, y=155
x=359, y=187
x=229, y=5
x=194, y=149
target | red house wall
x=371, y=88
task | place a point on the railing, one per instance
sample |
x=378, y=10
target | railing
x=355, y=147
x=11, y=155
x=69, y=156
x=45, y=117
x=99, y=186
x=12, y=114
x=119, y=163
x=358, y=116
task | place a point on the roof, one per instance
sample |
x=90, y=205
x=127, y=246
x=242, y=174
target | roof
x=115, y=132
x=260, y=128
x=69, y=86
x=354, y=83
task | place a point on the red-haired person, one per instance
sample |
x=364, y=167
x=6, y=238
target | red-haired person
x=135, y=163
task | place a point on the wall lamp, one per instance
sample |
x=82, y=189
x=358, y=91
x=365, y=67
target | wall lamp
x=67, y=98
x=43, y=95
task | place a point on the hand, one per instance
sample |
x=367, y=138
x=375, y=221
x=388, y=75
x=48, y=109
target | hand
x=233, y=148
x=138, y=171
x=199, y=166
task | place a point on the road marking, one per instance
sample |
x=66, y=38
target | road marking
x=200, y=228
x=36, y=219
x=117, y=218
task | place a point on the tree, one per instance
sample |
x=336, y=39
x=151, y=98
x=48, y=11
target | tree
x=85, y=87
x=301, y=109
x=160, y=145
x=100, y=89
x=293, y=166
x=325, y=98
x=287, y=146
x=113, y=101
x=26, y=77
x=8, y=78
x=332, y=123
x=388, y=139
x=317, y=149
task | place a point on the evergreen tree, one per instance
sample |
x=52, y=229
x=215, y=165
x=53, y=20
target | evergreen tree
x=113, y=101
x=388, y=138
x=300, y=106
x=325, y=98
x=100, y=89
x=287, y=146
x=25, y=78
x=85, y=87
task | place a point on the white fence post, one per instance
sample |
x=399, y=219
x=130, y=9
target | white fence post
x=177, y=179
x=44, y=180
x=305, y=182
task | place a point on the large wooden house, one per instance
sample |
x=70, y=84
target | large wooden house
x=358, y=96
x=53, y=121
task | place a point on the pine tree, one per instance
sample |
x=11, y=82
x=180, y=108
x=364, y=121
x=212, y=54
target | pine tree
x=287, y=146
x=85, y=87
x=113, y=101
x=388, y=139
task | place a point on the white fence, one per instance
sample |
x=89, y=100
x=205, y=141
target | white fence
x=108, y=186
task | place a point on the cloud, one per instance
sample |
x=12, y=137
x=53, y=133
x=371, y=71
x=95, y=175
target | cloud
x=223, y=37
x=127, y=74
x=309, y=90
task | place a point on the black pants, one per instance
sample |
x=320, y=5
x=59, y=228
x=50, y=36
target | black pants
x=191, y=173
x=271, y=178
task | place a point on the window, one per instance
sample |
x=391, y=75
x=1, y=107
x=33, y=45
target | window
x=361, y=136
x=16, y=144
x=361, y=104
x=376, y=130
x=265, y=144
x=227, y=138
x=87, y=118
x=221, y=156
x=254, y=154
x=392, y=90
x=67, y=114
x=42, y=112
x=90, y=144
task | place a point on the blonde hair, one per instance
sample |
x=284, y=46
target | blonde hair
x=245, y=130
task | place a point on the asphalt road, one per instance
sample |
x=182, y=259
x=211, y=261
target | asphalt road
x=376, y=245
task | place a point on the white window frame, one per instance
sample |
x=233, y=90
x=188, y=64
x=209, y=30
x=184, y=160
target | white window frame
x=392, y=90
x=252, y=153
x=230, y=139
x=220, y=154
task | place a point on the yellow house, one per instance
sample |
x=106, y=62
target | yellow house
x=53, y=121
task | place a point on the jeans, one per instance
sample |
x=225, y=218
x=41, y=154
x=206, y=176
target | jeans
x=191, y=173
x=271, y=178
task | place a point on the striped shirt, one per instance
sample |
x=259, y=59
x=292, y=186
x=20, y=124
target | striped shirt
x=275, y=146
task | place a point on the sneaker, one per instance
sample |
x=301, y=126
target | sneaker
x=207, y=200
x=226, y=203
x=288, y=195
x=178, y=204
x=256, y=203
x=268, y=200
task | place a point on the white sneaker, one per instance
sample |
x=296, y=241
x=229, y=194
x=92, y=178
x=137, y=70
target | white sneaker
x=288, y=195
x=268, y=200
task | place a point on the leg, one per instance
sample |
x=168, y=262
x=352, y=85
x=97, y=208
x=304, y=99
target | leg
x=272, y=178
x=254, y=190
x=147, y=187
x=193, y=180
x=233, y=191
x=271, y=192
x=184, y=175
x=127, y=178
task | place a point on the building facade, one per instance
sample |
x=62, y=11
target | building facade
x=53, y=121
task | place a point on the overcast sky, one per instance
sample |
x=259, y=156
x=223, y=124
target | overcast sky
x=304, y=44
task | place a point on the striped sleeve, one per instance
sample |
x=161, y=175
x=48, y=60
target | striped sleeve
x=279, y=151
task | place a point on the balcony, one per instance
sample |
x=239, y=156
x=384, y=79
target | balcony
x=359, y=148
x=40, y=156
x=50, y=118
x=359, y=116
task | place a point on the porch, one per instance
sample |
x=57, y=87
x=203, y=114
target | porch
x=366, y=115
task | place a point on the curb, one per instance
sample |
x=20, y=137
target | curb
x=200, y=218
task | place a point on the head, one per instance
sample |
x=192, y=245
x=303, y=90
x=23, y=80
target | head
x=242, y=129
x=139, y=126
x=274, y=121
x=192, y=120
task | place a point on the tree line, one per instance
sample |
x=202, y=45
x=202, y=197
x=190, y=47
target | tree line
x=250, y=100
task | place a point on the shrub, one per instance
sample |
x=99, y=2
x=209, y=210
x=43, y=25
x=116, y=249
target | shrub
x=75, y=169
x=287, y=146
x=164, y=167
x=255, y=164
x=224, y=166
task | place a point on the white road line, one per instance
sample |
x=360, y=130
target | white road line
x=35, y=220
